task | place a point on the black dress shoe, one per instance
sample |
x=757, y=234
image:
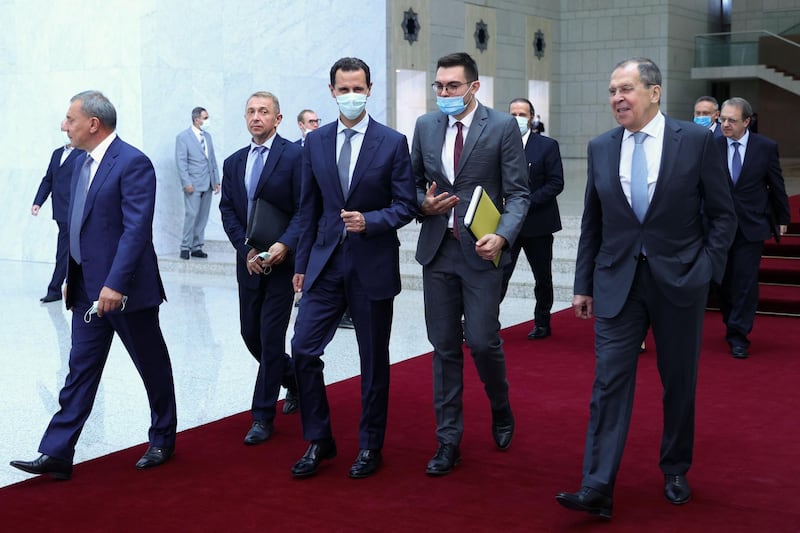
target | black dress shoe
x=318, y=451
x=184, y=254
x=50, y=298
x=56, y=468
x=503, y=428
x=290, y=404
x=367, y=463
x=676, y=489
x=587, y=499
x=154, y=456
x=199, y=253
x=739, y=352
x=539, y=332
x=259, y=432
x=446, y=457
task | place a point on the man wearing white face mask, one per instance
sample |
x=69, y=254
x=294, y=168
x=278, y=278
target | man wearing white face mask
x=546, y=181
x=357, y=191
x=455, y=149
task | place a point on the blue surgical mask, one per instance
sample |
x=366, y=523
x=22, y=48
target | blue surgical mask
x=351, y=105
x=703, y=121
x=452, y=105
x=522, y=122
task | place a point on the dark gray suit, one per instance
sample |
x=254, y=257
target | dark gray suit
x=667, y=290
x=201, y=172
x=456, y=280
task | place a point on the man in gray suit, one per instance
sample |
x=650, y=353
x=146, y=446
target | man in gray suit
x=197, y=169
x=455, y=149
x=657, y=222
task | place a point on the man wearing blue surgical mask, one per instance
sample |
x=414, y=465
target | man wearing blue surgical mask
x=455, y=149
x=357, y=191
x=706, y=113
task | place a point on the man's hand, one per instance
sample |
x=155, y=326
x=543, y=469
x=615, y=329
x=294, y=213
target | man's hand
x=189, y=189
x=488, y=246
x=35, y=210
x=109, y=300
x=277, y=254
x=256, y=266
x=354, y=221
x=217, y=188
x=297, y=282
x=437, y=204
x=583, y=306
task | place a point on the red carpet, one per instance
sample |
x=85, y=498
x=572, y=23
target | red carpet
x=746, y=475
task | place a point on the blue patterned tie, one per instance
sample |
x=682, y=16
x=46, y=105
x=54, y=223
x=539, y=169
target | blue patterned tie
x=344, y=162
x=78, y=203
x=255, y=176
x=203, y=144
x=736, y=163
x=639, y=197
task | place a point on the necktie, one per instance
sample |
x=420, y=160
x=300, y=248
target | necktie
x=639, y=196
x=255, y=176
x=78, y=203
x=736, y=163
x=458, y=147
x=203, y=143
x=344, y=162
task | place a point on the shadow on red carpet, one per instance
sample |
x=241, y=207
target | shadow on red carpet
x=746, y=475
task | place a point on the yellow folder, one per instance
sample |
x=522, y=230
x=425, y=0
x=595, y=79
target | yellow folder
x=482, y=217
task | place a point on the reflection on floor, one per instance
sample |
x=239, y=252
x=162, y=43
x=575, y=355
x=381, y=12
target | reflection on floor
x=213, y=372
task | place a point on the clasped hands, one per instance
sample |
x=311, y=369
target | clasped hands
x=256, y=265
x=487, y=247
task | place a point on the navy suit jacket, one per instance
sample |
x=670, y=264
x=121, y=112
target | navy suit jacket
x=381, y=188
x=546, y=181
x=759, y=194
x=57, y=181
x=116, y=235
x=683, y=254
x=279, y=185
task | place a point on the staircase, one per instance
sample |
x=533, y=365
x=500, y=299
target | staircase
x=779, y=274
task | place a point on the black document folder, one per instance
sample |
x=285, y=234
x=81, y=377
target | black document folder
x=266, y=225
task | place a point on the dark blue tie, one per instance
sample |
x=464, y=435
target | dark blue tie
x=639, y=197
x=78, y=203
x=736, y=163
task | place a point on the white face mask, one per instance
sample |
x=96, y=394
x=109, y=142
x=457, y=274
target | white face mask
x=206, y=123
x=351, y=105
x=522, y=122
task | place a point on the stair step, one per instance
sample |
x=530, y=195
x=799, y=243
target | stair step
x=788, y=247
x=779, y=270
x=779, y=299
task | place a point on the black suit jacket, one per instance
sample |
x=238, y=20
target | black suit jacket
x=759, y=195
x=57, y=181
x=279, y=185
x=546, y=181
x=684, y=254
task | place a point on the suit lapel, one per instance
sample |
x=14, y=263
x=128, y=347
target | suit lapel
x=479, y=121
x=273, y=156
x=669, y=154
x=328, y=141
x=369, y=147
x=613, y=164
x=103, y=171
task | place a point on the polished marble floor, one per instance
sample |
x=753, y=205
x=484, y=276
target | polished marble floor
x=213, y=372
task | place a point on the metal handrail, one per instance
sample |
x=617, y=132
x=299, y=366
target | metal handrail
x=760, y=32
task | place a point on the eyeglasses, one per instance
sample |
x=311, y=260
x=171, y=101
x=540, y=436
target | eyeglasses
x=314, y=121
x=731, y=121
x=451, y=87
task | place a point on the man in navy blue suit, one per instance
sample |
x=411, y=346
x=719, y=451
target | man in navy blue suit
x=657, y=222
x=269, y=169
x=113, y=264
x=762, y=207
x=56, y=182
x=357, y=192
x=546, y=181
